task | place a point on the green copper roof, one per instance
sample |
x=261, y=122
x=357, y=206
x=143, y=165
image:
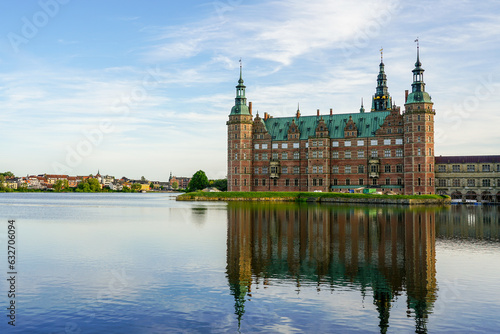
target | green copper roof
x=418, y=97
x=367, y=124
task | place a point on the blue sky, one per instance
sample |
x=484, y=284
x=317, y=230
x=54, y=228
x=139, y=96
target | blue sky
x=145, y=87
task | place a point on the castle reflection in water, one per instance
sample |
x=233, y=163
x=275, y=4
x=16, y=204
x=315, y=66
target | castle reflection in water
x=379, y=251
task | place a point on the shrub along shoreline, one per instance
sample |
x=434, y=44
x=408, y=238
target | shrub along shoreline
x=316, y=197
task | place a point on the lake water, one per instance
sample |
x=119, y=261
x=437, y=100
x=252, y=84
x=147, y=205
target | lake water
x=144, y=263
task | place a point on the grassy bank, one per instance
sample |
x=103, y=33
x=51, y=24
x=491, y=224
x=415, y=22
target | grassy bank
x=314, y=197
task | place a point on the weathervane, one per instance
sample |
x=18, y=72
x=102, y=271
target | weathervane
x=381, y=54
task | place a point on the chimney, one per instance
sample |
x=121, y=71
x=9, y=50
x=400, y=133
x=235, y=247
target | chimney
x=250, y=108
x=331, y=111
x=317, y=112
x=406, y=95
x=298, y=113
x=266, y=116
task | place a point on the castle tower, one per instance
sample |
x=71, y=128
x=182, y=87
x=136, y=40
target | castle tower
x=418, y=136
x=381, y=101
x=239, y=142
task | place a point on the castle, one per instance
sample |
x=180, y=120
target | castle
x=384, y=148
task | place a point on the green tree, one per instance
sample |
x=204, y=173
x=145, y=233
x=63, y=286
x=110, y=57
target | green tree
x=136, y=187
x=126, y=189
x=198, y=181
x=61, y=185
x=2, y=182
x=143, y=178
x=175, y=185
x=220, y=184
x=7, y=174
x=89, y=186
x=58, y=185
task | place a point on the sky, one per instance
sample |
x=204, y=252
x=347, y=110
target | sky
x=144, y=88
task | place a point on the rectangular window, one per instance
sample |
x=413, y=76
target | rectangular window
x=264, y=146
x=347, y=154
x=256, y=157
x=315, y=143
x=320, y=182
x=399, y=141
x=455, y=168
x=387, y=181
x=320, y=143
x=314, y=182
x=284, y=170
x=471, y=183
x=361, y=142
x=284, y=145
x=236, y=156
x=320, y=169
x=256, y=182
x=307, y=144
x=399, y=152
x=256, y=146
x=287, y=182
x=264, y=156
x=296, y=155
x=361, y=154
x=387, y=142
x=442, y=182
x=284, y=156
x=320, y=154
x=419, y=152
x=486, y=168
x=486, y=182
x=263, y=182
x=441, y=168
x=387, y=153
x=335, y=182
x=335, y=169
x=315, y=169
x=361, y=169
x=361, y=182
x=347, y=143
x=399, y=168
x=347, y=182
x=456, y=182
x=374, y=153
x=347, y=169
x=274, y=146
x=295, y=145
x=335, y=144
x=314, y=154
x=264, y=170
x=387, y=168
x=296, y=170
x=335, y=155
x=471, y=168
x=296, y=182
x=400, y=181
x=373, y=142
x=256, y=170
x=275, y=155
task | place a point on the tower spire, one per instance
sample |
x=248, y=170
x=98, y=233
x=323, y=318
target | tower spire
x=418, y=93
x=240, y=102
x=381, y=100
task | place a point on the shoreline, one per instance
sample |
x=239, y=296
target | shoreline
x=311, y=197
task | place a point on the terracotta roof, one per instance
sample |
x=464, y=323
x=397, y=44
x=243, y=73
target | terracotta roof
x=467, y=159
